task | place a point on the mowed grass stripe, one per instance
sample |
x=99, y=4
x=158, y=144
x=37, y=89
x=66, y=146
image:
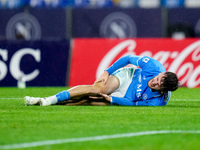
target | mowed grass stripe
x=94, y=138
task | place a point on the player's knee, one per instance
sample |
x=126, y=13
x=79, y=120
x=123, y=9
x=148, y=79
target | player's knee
x=97, y=89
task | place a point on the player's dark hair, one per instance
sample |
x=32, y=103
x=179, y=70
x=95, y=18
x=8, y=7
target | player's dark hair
x=170, y=82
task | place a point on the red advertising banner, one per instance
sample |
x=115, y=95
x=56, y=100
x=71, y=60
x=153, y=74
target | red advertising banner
x=90, y=57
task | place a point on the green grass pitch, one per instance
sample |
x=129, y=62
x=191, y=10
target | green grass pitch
x=25, y=125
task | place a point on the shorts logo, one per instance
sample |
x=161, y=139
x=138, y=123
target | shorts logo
x=118, y=25
x=23, y=26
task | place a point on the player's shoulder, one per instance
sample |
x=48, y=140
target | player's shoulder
x=151, y=64
x=146, y=60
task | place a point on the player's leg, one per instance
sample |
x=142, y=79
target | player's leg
x=119, y=82
x=81, y=96
x=31, y=100
x=85, y=102
x=81, y=91
x=77, y=93
x=93, y=90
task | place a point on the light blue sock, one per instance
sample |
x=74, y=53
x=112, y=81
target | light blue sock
x=64, y=95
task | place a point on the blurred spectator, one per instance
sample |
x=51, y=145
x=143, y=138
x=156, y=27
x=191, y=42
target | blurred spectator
x=10, y=4
x=93, y=3
x=192, y=3
x=147, y=3
x=172, y=3
x=124, y=3
x=75, y=3
x=47, y=3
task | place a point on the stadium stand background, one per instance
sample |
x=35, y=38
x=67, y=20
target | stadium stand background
x=178, y=29
x=47, y=27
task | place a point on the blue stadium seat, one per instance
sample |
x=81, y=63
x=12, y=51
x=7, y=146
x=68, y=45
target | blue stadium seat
x=11, y=4
x=172, y=3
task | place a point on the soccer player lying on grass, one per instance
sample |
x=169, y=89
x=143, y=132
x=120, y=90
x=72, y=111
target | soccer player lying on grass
x=147, y=85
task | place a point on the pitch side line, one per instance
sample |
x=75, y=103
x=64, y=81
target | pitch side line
x=93, y=138
x=184, y=99
x=11, y=98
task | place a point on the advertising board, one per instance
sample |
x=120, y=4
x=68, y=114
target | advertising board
x=90, y=57
x=43, y=63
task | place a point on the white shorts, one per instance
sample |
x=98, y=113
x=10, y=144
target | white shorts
x=125, y=76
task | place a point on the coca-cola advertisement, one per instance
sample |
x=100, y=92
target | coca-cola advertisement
x=90, y=57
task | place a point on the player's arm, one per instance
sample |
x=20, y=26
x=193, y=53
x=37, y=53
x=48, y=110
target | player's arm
x=127, y=102
x=122, y=62
x=129, y=59
x=117, y=100
x=103, y=77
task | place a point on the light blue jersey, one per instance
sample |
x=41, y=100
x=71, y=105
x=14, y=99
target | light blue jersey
x=138, y=93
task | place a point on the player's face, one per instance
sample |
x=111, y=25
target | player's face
x=156, y=82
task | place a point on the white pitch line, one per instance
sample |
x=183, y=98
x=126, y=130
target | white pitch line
x=185, y=99
x=93, y=138
x=9, y=98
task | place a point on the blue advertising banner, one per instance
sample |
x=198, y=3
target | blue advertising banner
x=34, y=24
x=184, y=20
x=42, y=63
x=117, y=23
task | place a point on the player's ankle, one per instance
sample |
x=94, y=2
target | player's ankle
x=64, y=95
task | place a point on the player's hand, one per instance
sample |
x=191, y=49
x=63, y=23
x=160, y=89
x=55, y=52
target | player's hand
x=96, y=97
x=103, y=77
x=107, y=97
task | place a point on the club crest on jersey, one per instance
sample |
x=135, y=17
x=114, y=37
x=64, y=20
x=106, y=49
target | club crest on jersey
x=144, y=96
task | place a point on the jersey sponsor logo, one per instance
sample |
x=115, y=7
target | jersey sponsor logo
x=138, y=94
x=139, y=79
x=23, y=26
x=139, y=90
x=118, y=25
